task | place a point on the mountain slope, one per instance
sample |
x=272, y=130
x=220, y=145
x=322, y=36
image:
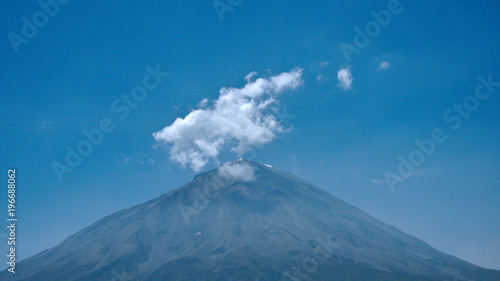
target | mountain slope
x=244, y=221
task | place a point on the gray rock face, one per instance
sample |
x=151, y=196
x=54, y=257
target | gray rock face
x=221, y=226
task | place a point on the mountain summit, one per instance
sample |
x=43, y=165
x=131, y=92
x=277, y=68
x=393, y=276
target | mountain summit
x=244, y=221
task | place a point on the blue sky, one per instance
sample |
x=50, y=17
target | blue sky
x=341, y=135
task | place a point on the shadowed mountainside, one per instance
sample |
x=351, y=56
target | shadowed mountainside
x=265, y=225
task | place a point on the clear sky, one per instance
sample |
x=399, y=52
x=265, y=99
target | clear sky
x=363, y=101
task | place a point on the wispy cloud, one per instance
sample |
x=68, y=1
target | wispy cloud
x=202, y=103
x=45, y=125
x=344, y=76
x=379, y=181
x=421, y=172
x=250, y=76
x=383, y=65
x=238, y=119
x=136, y=158
x=320, y=77
x=238, y=171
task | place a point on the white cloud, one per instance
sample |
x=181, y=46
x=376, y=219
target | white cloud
x=383, y=65
x=202, y=103
x=45, y=125
x=345, y=78
x=134, y=159
x=250, y=75
x=320, y=77
x=122, y=158
x=240, y=118
x=378, y=181
x=324, y=63
x=421, y=172
x=238, y=171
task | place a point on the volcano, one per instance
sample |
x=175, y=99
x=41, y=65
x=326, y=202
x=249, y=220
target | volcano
x=244, y=221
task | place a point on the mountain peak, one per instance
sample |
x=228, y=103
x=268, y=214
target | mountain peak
x=244, y=221
x=238, y=170
x=249, y=162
